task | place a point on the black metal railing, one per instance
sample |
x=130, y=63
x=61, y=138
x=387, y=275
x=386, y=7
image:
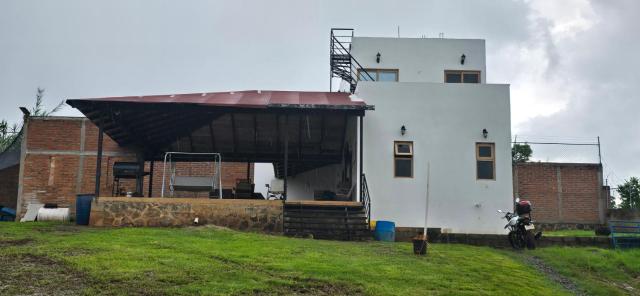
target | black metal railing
x=342, y=64
x=366, y=199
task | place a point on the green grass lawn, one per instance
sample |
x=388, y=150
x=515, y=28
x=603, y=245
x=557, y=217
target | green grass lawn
x=598, y=271
x=205, y=260
x=579, y=233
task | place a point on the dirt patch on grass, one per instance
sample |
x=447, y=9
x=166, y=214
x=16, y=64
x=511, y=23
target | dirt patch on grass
x=297, y=285
x=15, y=243
x=37, y=275
x=553, y=275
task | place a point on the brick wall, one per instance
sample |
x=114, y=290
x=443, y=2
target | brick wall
x=60, y=162
x=9, y=186
x=562, y=193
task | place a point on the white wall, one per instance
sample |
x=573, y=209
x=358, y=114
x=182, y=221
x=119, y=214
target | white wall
x=420, y=59
x=262, y=174
x=444, y=121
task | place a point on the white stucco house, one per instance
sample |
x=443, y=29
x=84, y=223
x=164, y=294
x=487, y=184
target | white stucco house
x=433, y=108
x=400, y=113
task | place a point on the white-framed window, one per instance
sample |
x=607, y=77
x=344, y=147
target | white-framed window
x=403, y=159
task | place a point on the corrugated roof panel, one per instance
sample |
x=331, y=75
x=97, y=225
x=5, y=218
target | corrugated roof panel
x=248, y=99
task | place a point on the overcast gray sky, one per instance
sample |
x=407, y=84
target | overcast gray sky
x=572, y=65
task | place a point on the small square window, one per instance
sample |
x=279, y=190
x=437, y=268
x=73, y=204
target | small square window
x=384, y=75
x=403, y=148
x=454, y=77
x=471, y=78
x=484, y=151
x=485, y=169
x=404, y=167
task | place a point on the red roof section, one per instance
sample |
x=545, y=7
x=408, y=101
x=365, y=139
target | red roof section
x=250, y=99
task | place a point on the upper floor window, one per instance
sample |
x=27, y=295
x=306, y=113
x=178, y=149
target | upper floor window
x=378, y=75
x=454, y=76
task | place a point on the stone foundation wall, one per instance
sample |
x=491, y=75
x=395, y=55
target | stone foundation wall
x=566, y=226
x=252, y=215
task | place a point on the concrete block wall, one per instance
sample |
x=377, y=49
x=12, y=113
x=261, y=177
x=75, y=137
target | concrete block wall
x=58, y=161
x=562, y=193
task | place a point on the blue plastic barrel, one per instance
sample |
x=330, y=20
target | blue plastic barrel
x=385, y=231
x=83, y=208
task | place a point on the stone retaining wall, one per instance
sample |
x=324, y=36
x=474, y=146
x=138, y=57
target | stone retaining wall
x=501, y=241
x=253, y=215
x=405, y=234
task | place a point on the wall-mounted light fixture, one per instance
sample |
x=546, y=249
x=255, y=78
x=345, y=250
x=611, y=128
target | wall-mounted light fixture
x=462, y=58
x=403, y=130
x=485, y=133
x=378, y=58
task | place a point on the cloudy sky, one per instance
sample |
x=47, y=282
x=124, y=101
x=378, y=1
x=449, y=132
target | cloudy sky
x=572, y=65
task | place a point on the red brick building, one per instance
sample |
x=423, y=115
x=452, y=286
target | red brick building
x=58, y=161
x=563, y=194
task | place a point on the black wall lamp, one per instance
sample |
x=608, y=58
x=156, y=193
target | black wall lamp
x=403, y=130
x=462, y=58
x=378, y=58
x=485, y=133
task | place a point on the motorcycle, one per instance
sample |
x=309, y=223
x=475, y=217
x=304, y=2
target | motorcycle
x=521, y=227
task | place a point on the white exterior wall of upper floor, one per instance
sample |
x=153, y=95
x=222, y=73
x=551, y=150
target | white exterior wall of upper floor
x=444, y=122
x=420, y=59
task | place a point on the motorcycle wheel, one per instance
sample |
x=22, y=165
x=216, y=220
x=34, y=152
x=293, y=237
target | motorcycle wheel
x=516, y=241
x=530, y=239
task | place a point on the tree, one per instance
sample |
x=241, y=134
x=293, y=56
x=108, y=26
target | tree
x=521, y=152
x=39, y=109
x=630, y=193
x=9, y=133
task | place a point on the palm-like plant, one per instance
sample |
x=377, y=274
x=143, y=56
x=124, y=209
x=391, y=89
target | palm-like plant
x=8, y=133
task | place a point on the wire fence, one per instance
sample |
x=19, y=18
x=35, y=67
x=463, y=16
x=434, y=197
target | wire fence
x=562, y=150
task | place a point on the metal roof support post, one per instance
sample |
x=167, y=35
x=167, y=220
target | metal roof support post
x=361, y=156
x=150, y=178
x=286, y=153
x=99, y=162
x=140, y=178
